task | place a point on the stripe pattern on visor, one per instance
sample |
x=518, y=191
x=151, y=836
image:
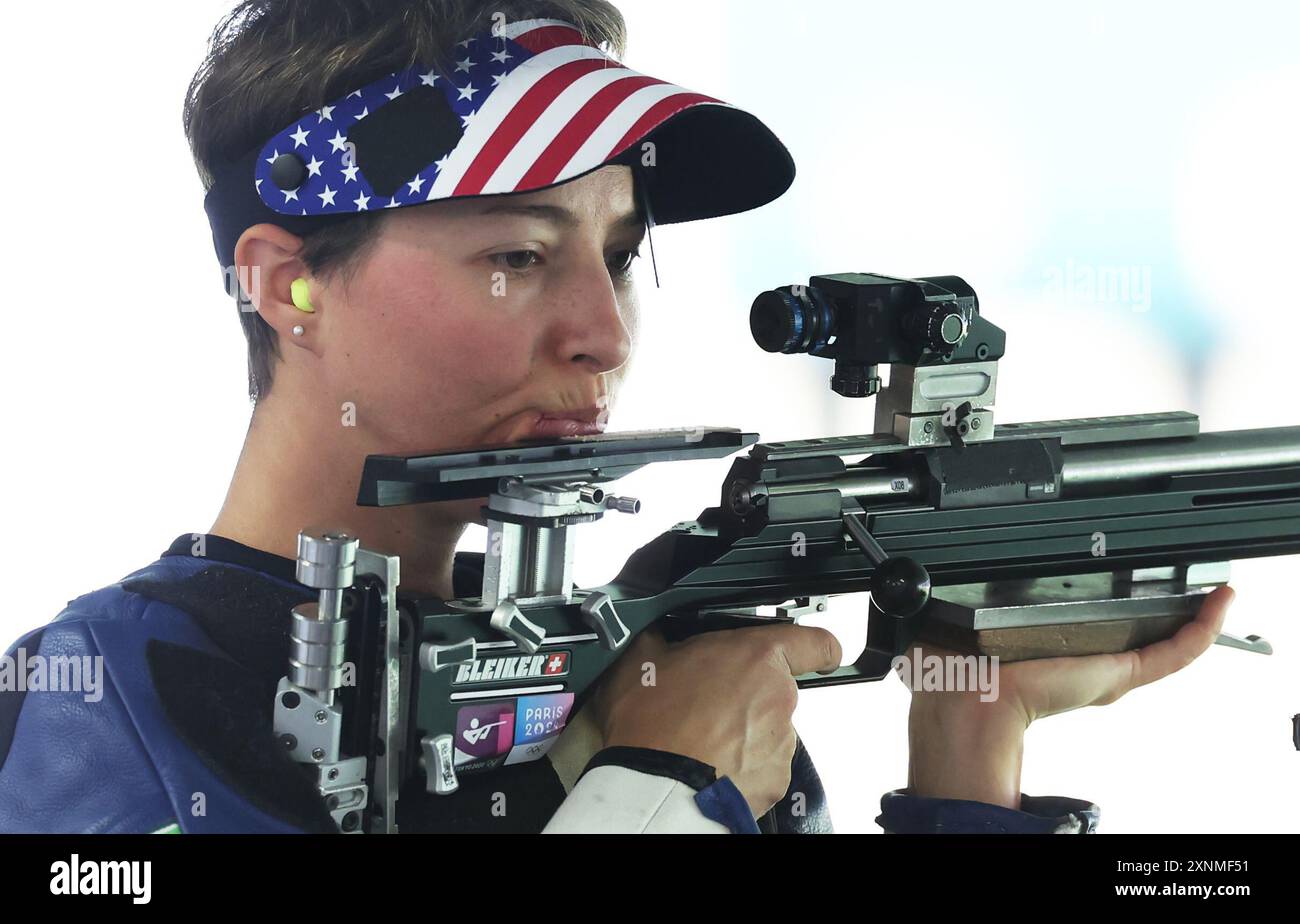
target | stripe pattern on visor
x=535, y=103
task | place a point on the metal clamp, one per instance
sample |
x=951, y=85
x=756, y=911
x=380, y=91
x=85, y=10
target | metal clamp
x=530, y=540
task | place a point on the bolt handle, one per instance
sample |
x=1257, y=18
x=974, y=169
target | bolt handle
x=900, y=587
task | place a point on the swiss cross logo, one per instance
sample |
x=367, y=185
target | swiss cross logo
x=506, y=668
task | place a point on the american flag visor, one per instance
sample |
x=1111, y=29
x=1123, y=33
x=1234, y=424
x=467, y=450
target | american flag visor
x=527, y=106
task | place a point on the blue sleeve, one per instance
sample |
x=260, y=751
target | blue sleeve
x=70, y=759
x=722, y=802
x=901, y=812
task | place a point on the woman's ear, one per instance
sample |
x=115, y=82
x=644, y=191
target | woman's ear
x=278, y=284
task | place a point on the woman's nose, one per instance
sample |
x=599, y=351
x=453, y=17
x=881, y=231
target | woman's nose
x=594, y=323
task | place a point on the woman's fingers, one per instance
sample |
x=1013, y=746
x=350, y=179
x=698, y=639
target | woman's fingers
x=1160, y=659
x=1098, y=680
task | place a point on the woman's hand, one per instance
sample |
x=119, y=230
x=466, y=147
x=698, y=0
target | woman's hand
x=724, y=698
x=962, y=748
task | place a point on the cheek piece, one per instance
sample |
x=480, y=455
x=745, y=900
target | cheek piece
x=527, y=107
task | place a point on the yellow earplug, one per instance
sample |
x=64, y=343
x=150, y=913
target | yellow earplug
x=301, y=296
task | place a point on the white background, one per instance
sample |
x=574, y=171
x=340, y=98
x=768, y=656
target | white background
x=1008, y=143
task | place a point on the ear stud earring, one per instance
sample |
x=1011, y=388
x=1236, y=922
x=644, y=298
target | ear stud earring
x=297, y=330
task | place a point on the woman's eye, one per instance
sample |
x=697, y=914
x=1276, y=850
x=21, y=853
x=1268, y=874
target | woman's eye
x=621, y=262
x=517, y=260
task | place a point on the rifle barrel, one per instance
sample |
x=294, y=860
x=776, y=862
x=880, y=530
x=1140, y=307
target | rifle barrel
x=1099, y=466
x=1206, y=453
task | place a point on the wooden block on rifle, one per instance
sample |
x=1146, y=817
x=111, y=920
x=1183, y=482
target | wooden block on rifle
x=1024, y=643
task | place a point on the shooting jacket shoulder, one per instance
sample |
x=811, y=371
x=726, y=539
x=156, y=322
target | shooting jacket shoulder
x=106, y=755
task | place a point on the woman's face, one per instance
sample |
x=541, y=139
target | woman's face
x=471, y=319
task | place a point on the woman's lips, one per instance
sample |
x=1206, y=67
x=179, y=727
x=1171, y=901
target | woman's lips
x=547, y=427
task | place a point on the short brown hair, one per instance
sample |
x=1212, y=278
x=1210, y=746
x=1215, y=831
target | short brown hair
x=269, y=61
